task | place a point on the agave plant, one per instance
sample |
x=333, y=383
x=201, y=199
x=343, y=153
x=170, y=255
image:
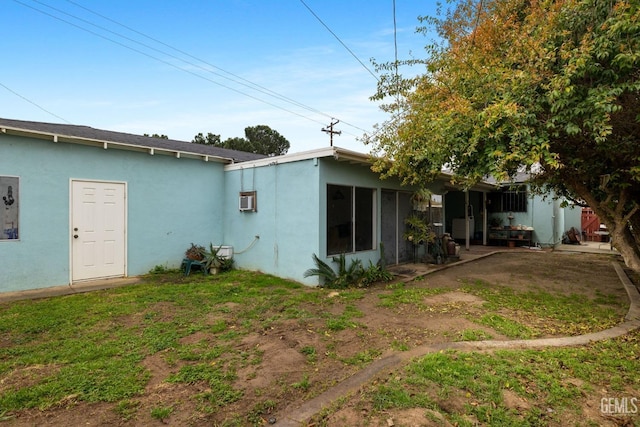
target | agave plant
x=216, y=262
x=212, y=258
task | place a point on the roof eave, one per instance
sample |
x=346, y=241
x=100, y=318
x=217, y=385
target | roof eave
x=56, y=137
x=337, y=153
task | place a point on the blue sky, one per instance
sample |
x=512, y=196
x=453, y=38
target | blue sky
x=179, y=67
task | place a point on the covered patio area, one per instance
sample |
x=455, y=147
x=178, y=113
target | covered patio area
x=410, y=271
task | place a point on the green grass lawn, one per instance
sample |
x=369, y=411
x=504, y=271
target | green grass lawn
x=556, y=383
x=90, y=347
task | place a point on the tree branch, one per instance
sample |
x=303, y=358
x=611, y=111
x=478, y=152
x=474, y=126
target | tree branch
x=631, y=213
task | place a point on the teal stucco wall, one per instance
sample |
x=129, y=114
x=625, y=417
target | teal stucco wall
x=171, y=202
x=548, y=218
x=291, y=214
x=286, y=219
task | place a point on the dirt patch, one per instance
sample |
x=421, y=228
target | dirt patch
x=454, y=297
x=293, y=360
x=26, y=376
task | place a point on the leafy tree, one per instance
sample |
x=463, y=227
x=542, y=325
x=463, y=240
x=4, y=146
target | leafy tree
x=239, y=144
x=155, y=135
x=552, y=86
x=210, y=139
x=259, y=139
x=267, y=141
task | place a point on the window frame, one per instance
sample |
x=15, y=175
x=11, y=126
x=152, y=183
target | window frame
x=510, y=199
x=359, y=239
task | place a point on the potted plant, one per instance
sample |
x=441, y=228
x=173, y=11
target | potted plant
x=420, y=200
x=195, y=252
x=212, y=259
x=418, y=231
x=495, y=222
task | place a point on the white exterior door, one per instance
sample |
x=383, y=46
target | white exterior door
x=98, y=230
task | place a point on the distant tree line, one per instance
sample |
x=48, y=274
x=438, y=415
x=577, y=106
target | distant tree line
x=259, y=139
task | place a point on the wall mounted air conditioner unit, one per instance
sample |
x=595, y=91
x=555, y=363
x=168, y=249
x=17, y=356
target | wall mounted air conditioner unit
x=246, y=203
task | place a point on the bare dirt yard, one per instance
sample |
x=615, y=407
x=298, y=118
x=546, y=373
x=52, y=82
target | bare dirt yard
x=292, y=353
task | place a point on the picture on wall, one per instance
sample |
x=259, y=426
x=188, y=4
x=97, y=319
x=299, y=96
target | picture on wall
x=9, y=208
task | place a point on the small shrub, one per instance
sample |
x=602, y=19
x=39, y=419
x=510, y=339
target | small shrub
x=159, y=269
x=226, y=264
x=343, y=278
x=375, y=273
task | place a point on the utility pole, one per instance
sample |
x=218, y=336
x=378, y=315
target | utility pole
x=330, y=131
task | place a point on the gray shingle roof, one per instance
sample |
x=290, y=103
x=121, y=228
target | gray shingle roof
x=86, y=132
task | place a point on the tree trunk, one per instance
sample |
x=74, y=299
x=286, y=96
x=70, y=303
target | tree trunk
x=623, y=225
x=624, y=242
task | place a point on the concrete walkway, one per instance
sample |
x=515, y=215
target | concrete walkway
x=589, y=247
x=293, y=415
x=411, y=271
x=76, y=288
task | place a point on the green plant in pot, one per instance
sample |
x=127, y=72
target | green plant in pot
x=421, y=200
x=213, y=261
x=418, y=231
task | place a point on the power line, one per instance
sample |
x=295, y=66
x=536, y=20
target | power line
x=168, y=63
x=35, y=104
x=248, y=84
x=242, y=81
x=338, y=38
x=237, y=79
x=395, y=54
x=395, y=37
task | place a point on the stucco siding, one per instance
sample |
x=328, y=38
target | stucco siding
x=572, y=217
x=291, y=214
x=286, y=219
x=170, y=203
x=545, y=217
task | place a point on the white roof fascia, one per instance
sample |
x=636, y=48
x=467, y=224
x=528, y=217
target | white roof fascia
x=337, y=153
x=56, y=137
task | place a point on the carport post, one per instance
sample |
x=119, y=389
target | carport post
x=484, y=218
x=466, y=219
